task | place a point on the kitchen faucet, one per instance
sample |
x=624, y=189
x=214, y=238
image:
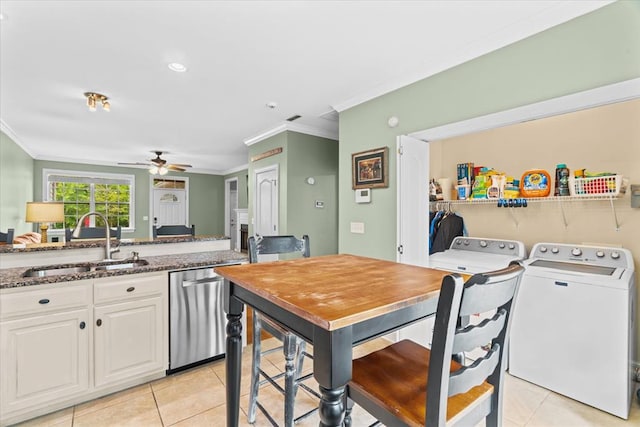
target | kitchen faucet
x=107, y=233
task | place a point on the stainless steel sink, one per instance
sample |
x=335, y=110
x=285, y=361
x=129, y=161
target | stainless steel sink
x=120, y=265
x=57, y=270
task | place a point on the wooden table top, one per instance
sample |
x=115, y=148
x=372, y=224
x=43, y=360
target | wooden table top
x=335, y=291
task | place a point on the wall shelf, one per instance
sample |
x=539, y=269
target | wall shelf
x=532, y=199
x=445, y=204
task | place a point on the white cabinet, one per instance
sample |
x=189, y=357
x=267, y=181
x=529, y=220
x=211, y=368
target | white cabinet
x=65, y=343
x=129, y=333
x=44, y=345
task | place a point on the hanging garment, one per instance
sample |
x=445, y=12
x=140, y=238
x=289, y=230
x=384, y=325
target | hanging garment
x=444, y=230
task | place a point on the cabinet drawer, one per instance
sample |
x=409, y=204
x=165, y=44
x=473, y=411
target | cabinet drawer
x=130, y=286
x=45, y=298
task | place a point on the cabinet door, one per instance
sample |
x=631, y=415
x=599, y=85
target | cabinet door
x=44, y=358
x=128, y=340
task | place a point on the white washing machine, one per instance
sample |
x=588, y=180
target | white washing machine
x=573, y=324
x=467, y=255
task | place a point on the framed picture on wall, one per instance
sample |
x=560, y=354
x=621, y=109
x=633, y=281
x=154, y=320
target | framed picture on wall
x=369, y=169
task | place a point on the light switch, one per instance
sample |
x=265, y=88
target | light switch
x=357, y=227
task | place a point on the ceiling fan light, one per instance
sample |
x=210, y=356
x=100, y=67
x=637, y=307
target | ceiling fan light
x=162, y=170
x=91, y=102
x=153, y=170
x=93, y=98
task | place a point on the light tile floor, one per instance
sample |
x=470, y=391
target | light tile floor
x=197, y=398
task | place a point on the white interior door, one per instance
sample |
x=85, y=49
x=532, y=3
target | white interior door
x=413, y=219
x=413, y=201
x=169, y=207
x=266, y=201
x=231, y=204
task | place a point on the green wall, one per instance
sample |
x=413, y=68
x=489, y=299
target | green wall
x=243, y=189
x=16, y=185
x=311, y=156
x=206, y=195
x=303, y=156
x=597, y=49
x=206, y=203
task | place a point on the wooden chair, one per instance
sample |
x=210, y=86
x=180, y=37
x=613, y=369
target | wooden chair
x=174, y=230
x=406, y=384
x=7, y=237
x=293, y=346
x=93, y=233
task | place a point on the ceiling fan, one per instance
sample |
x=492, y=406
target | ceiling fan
x=159, y=165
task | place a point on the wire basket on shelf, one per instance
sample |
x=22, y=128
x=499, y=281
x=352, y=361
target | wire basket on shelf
x=609, y=185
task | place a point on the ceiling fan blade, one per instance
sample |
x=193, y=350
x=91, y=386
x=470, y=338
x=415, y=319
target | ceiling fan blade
x=182, y=165
x=175, y=168
x=134, y=164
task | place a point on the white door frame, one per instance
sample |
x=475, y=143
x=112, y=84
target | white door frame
x=256, y=172
x=186, y=199
x=227, y=202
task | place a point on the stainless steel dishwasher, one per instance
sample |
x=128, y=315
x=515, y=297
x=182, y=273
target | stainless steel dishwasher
x=197, y=318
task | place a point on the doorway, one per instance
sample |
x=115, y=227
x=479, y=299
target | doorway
x=169, y=201
x=230, y=206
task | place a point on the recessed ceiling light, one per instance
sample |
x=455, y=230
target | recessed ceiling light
x=177, y=67
x=271, y=105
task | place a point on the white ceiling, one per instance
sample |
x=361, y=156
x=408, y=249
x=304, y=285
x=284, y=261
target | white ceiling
x=310, y=57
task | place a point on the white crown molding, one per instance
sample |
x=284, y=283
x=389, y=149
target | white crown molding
x=617, y=92
x=557, y=14
x=236, y=169
x=294, y=127
x=14, y=137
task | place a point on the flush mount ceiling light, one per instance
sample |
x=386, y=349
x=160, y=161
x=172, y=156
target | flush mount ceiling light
x=177, y=67
x=93, y=98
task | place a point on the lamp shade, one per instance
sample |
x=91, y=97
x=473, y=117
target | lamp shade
x=45, y=212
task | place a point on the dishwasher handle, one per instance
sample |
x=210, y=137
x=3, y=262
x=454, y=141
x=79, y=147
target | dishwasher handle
x=204, y=281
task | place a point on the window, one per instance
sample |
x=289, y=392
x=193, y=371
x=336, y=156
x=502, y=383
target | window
x=82, y=192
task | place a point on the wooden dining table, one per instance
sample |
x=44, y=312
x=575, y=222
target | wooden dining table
x=334, y=302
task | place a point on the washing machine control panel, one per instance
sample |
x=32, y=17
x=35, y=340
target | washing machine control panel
x=492, y=246
x=603, y=256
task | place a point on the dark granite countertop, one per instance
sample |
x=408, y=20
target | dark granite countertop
x=12, y=277
x=98, y=243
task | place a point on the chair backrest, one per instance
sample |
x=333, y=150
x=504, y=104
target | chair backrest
x=93, y=233
x=485, y=292
x=174, y=230
x=270, y=245
x=7, y=237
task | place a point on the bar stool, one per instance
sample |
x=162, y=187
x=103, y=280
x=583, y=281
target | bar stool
x=293, y=346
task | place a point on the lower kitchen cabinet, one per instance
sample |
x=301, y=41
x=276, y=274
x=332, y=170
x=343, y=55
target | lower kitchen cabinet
x=44, y=358
x=65, y=343
x=128, y=340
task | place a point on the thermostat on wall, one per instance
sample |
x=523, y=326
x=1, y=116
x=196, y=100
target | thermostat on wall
x=363, y=195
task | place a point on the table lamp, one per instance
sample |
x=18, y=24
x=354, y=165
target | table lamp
x=45, y=212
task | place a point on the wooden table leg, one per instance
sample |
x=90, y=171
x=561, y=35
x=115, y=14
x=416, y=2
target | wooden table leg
x=233, y=358
x=332, y=369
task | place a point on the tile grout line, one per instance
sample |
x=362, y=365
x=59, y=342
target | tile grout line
x=548, y=393
x=155, y=400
